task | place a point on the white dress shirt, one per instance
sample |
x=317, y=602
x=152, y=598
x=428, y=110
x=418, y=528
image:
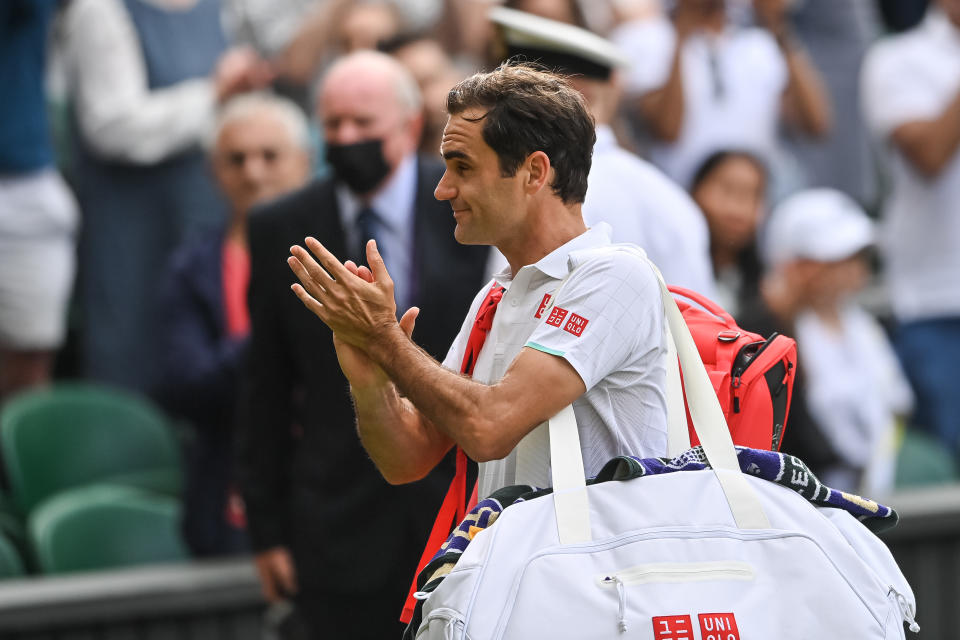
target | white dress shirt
x=394, y=206
x=644, y=207
x=608, y=324
x=913, y=77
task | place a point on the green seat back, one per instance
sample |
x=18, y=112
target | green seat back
x=105, y=527
x=923, y=461
x=71, y=435
x=11, y=564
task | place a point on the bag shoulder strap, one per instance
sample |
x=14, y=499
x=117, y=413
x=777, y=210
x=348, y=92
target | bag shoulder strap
x=570, y=497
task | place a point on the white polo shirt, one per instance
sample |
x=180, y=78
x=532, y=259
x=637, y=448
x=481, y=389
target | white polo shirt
x=909, y=77
x=733, y=85
x=646, y=208
x=608, y=324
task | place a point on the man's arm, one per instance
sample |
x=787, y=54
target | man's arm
x=406, y=437
x=929, y=145
x=806, y=99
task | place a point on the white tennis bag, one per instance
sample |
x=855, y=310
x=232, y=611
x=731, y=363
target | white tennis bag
x=693, y=555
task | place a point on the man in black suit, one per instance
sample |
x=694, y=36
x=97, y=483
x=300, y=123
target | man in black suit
x=327, y=529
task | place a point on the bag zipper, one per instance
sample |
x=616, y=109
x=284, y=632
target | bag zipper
x=906, y=610
x=670, y=572
x=742, y=362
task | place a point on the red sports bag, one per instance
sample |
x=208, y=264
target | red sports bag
x=752, y=376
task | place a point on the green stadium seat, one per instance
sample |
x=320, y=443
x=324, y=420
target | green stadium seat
x=105, y=526
x=11, y=563
x=71, y=435
x=922, y=460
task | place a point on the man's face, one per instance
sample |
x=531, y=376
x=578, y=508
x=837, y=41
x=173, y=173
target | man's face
x=359, y=104
x=256, y=159
x=488, y=207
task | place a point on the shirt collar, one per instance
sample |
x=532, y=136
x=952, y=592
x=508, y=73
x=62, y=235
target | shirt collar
x=392, y=203
x=556, y=264
x=606, y=139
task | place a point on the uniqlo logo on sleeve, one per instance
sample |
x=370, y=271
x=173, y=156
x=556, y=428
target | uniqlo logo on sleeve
x=672, y=628
x=557, y=316
x=718, y=626
x=543, y=306
x=575, y=325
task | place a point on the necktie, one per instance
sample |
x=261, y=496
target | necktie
x=368, y=226
x=454, y=506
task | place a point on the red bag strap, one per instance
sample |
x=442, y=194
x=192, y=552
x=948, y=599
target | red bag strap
x=455, y=504
x=704, y=302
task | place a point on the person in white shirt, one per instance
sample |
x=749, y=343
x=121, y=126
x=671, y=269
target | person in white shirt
x=815, y=245
x=911, y=91
x=517, y=149
x=702, y=84
x=641, y=204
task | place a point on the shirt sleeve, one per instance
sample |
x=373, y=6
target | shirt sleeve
x=893, y=92
x=608, y=314
x=119, y=116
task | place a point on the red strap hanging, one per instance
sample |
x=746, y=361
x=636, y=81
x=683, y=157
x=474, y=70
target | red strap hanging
x=456, y=504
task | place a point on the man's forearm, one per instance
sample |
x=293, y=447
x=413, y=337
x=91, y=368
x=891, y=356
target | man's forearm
x=455, y=405
x=808, y=98
x=930, y=145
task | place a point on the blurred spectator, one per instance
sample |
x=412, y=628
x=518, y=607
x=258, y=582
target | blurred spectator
x=911, y=89
x=38, y=216
x=702, y=84
x=145, y=77
x=260, y=150
x=730, y=189
x=641, y=204
x=900, y=15
x=435, y=74
x=855, y=389
x=836, y=34
x=328, y=530
x=301, y=36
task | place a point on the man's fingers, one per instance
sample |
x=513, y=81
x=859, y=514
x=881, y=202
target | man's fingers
x=308, y=281
x=351, y=266
x=365, y=273
x=326, y=259
x=316, y=271
x=375, y=260
x=408, y=320
x=308, y=301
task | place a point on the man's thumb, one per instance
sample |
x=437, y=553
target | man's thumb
x=408, y=320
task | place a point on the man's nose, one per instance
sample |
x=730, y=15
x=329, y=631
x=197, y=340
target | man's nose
x=345, y=133
x=444, y=190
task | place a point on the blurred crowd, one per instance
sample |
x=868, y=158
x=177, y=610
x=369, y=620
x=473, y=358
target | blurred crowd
x=797, y=161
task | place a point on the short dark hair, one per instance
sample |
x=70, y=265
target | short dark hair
x=717, y=158
x=530, y=109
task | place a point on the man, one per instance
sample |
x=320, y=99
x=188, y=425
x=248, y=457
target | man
x=517, y=149
x=705, y=85
x=326, y=528
x=260, y=150
x=911, y=89
x=639, y=202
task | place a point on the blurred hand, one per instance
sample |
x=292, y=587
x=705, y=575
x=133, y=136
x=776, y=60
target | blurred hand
x=772, y=14
x=693, y=15
x=278, y=578
x=239, y=70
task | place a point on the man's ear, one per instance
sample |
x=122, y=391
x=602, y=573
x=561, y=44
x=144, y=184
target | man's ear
x=538, y=172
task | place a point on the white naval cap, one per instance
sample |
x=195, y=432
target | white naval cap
x=817, y=224
x=556, y=45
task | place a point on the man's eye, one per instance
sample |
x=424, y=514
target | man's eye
x=236, y=158
x=270, y=155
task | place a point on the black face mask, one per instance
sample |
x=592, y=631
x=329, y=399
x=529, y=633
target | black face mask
x=361, y=166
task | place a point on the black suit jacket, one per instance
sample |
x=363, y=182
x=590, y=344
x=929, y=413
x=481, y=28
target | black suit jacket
x=307, y=482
